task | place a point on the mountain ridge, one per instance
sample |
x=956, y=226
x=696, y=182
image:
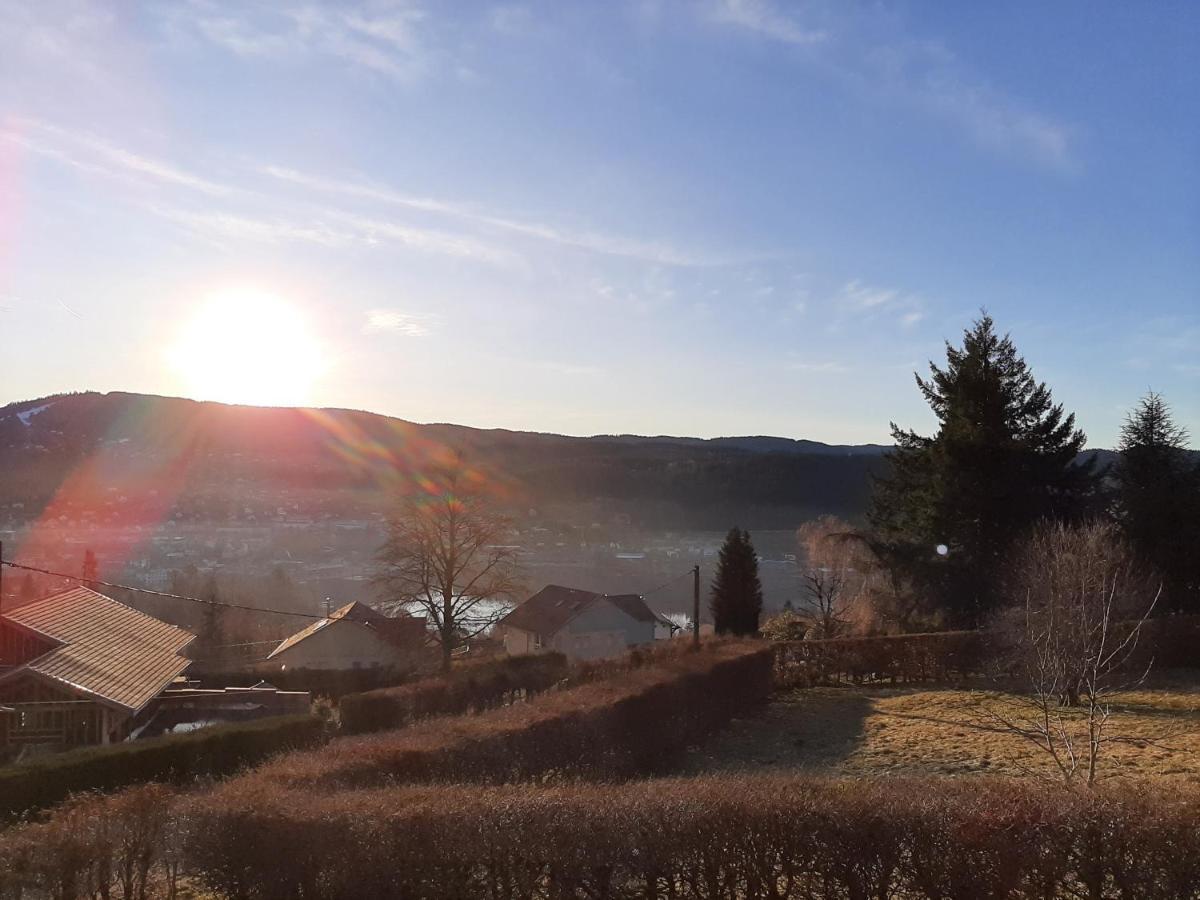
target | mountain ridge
x=206, y=455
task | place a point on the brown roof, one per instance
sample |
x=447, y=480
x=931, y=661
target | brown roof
x=389, y=628
x=549, y=609
x=553, y=606
x=105, y=649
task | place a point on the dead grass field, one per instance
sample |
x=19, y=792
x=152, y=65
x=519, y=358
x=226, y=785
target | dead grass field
x=946, y=731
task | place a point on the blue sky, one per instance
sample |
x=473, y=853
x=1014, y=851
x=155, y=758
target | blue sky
x=709, y=218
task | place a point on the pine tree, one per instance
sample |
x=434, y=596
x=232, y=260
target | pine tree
x=91, y=570
x=1004, y=457
x=1158, y=499
x=736, y=600
x=211, y=633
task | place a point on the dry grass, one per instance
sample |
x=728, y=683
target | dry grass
x=915, y=731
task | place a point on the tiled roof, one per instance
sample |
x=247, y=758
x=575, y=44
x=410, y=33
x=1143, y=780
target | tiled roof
x=389, y=628
x=106, y=649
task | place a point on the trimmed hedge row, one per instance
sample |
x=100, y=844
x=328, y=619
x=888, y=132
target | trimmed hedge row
x=332, y=683
x=632, y=724
x=780, y=837
x=470, y=688
x=179, y=758
x=1168, y=642
x=937, y=656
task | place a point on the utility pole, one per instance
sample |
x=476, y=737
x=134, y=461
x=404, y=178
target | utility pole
x=696, y=607
x=1, y=576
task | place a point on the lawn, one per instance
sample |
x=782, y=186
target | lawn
x=947, y=731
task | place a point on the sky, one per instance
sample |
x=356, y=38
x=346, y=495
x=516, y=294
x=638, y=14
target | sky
x=720, y=217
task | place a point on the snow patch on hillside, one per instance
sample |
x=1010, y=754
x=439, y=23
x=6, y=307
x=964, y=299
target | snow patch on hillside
x=30, y=413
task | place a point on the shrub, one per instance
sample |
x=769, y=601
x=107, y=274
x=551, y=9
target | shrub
x=215, y=751
x=619, y=726
x=764, y=836
x=92, y=846
x=470, y=688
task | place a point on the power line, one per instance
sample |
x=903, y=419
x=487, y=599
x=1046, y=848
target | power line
x=668, y=583
x=220, y=603
x=165, y=594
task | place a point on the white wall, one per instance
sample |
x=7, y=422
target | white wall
x=339, y=645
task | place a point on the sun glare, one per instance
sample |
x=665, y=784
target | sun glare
x=248, y=346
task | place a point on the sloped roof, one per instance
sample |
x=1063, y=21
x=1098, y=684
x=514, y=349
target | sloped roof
x=389, y=628
x=635, y=606
x=554, y=605
x=106, y=649
x=549, y=609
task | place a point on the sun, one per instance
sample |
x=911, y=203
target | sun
x=248, y=346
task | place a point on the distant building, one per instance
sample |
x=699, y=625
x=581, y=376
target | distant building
x=581, y=624
x=353, y=637
x=80, y=668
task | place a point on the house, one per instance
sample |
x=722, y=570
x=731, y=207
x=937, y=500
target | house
x=352, y=637
x=79, y=668
x=580, y=624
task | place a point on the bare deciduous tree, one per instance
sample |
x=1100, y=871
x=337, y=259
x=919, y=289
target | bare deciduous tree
x=835, y=575
x=448, y=553
x=1072, y=637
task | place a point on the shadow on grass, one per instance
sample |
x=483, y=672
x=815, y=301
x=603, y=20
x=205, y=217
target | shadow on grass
x=812, y=729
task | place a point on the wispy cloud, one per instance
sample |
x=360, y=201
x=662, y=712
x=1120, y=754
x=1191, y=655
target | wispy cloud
x=761, y=17
x=89, y=153
x=608, y=245
x=395, y=321
x=858, y=299
x=225, y=226
x=870, y=52
x=336, y=229
x=817, y=367
x=380, y=37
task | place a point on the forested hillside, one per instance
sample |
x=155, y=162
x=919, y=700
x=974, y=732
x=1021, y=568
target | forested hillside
x=212, y=461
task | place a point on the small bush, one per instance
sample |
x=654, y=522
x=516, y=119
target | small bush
x=215, y=751
x=470, y=688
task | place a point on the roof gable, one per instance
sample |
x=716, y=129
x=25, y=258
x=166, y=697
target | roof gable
x=547, y=611
x=398, y=631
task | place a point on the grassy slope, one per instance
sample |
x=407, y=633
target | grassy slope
x=921, y=731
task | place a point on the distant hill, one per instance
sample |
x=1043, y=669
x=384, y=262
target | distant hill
x=144, y=454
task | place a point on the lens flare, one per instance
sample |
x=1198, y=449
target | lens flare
x=250, y=347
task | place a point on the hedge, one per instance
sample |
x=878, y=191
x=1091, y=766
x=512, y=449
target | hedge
x=473, y=687
x=781, y=836
x=936, y=656
x=332, y=683
x=1167, y=642
x=632, y=724
x=180, y=758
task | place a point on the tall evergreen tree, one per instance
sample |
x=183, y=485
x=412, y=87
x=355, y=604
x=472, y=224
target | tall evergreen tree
x=1004, y=457
x=211, y=633
x=736, y=600
x=1158, y=499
